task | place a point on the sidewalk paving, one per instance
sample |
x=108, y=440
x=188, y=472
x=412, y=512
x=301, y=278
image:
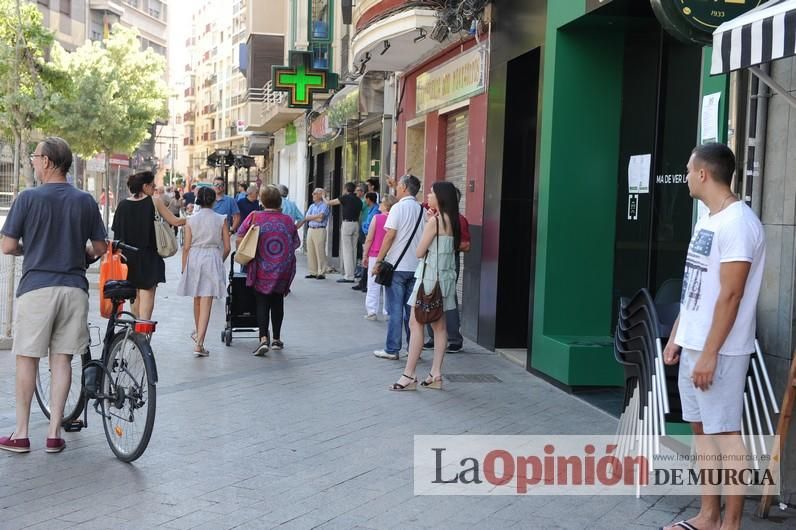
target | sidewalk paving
x=304, y=438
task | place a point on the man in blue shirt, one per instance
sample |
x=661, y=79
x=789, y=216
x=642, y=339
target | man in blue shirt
x=243, y=191
x=226, y=205
x=289, y=207
x=317, y=217
x=249, y=203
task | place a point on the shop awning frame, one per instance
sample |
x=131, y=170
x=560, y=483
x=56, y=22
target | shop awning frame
x=762, y=35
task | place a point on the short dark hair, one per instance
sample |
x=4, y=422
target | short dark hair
x=350, y=187
x=58, y=152
x=193, y=187
x=373, y=181
x=371, y=196
x=137, y=181
x=718, y=159
x=205, y=197
x=271, y=197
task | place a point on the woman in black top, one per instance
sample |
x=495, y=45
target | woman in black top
x=133, y=223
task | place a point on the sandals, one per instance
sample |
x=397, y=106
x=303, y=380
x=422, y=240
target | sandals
x=200, y=351
x=412, y=385
x=435, y=382
x=277, y=345
x=262, y=348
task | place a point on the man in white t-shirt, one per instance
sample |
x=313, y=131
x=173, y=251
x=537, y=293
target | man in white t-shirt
x=402, y=238
x=714, y=336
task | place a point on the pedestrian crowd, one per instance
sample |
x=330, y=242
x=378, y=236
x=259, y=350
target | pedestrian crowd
x=406, y=256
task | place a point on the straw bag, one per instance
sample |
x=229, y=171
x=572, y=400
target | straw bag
x=165, y=238
x=248, y=245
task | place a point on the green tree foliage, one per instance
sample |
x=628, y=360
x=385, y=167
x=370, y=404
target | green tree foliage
x=116, y=92
x=27, y=81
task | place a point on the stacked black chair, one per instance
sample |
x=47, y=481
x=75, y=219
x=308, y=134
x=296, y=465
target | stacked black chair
x=651, y=393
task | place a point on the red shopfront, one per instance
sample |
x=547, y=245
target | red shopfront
x=441, y=135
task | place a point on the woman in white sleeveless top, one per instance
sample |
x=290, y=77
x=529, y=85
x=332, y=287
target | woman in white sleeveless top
x=205, y=248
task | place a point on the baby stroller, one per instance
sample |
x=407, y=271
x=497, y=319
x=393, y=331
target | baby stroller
x=241, y=306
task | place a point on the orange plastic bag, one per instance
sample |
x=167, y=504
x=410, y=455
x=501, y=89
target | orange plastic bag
x=111, y=268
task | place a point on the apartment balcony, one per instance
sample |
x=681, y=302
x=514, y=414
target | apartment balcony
x=273, y=110
x=209, y=109
x=212, y=136
x=210, y=81
x=190, y=92
x=205, y=136
x=405, y=26
x=189, y=117
x=187, y=141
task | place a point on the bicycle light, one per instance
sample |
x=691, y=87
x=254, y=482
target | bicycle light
x=145, y=326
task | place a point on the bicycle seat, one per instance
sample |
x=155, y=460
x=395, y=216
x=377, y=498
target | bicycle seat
x=119, y=289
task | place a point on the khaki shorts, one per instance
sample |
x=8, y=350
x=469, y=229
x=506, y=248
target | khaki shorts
x=720, y=407
x=51, y=319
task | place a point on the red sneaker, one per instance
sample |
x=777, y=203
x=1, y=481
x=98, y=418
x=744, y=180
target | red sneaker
x=20, y=445
x=55, y=445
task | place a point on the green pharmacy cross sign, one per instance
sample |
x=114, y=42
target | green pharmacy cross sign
x=300, y=80
x=695, y=20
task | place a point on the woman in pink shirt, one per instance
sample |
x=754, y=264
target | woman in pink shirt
x=370, y=251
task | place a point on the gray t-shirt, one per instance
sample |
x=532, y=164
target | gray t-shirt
x=54, y=221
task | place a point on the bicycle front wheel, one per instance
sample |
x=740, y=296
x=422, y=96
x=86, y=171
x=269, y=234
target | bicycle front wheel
x=75, y=401
x=128, y=415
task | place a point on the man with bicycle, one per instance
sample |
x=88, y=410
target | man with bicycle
x=53, y=221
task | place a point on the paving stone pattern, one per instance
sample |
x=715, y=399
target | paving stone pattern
x=304, y=438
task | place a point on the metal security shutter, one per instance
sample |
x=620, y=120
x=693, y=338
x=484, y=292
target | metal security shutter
x=456, y=165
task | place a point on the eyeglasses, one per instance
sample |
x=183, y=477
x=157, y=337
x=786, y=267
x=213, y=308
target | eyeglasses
x=35, y=156
x=218, y=185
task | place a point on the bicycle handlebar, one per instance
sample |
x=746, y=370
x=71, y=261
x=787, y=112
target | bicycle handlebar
x=119, y=245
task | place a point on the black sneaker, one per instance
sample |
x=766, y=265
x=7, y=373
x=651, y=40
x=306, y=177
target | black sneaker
x=320, y=277
x=343, y=280
x=310, y=276
x=357, y=288
x=428, y=345
x=454, y=348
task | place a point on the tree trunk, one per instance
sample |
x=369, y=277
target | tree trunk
x=17, y=160
x=26, y=168
x=107, y=205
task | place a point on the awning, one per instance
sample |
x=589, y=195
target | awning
x=765, y=33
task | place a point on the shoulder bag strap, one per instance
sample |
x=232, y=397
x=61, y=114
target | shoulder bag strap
x=423, y=274
x=409, y=242
x=155, y=206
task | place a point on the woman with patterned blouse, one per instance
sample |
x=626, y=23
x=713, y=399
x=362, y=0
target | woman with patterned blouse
x=273, y=268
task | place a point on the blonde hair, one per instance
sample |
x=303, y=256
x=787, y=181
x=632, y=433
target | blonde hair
x=389, y=201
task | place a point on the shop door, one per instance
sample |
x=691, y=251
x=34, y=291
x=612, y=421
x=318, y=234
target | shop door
x=456, y=167
x=659, y=124
x=517, y=250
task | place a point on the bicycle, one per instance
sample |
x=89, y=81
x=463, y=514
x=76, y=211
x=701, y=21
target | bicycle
x=122, y=382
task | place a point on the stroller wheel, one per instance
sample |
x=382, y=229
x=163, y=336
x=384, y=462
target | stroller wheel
x=227, y=337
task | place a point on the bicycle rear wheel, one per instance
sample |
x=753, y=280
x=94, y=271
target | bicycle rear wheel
x=75, y=401
x=128, y=418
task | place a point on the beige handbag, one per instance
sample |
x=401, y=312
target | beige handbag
x=248, y=245
x=165, y=238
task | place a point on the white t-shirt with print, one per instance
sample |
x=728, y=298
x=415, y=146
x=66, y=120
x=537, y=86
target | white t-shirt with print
x=402, y=219
x=733, y=234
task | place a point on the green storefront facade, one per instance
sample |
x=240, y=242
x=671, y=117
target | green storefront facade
x=615, y=87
